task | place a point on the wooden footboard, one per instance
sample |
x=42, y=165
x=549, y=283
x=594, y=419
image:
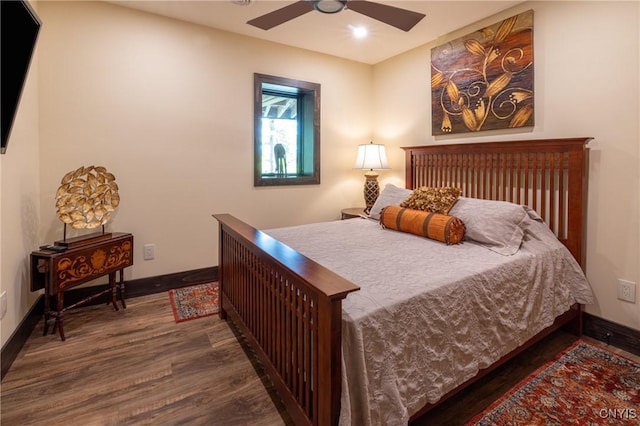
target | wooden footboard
x=290, y=310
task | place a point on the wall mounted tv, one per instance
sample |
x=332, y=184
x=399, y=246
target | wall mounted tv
x=18, y=33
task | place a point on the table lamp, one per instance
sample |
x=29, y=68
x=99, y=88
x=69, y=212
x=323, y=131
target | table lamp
x=372, y=157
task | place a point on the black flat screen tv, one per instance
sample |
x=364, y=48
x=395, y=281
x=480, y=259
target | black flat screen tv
x=18, y=33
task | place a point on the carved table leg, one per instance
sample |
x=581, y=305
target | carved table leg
x=114, y=290
x=60, y=315
x=124, y=306
x=43, y=268
x=47, y=312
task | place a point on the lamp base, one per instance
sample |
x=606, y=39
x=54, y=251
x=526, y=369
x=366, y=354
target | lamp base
x=371, y=190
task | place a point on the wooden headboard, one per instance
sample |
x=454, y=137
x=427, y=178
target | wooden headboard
x=548, y=175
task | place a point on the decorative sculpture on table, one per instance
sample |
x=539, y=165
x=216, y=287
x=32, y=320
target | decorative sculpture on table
x=87, y=197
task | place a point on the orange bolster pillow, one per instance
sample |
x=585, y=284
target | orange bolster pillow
x=435, y=226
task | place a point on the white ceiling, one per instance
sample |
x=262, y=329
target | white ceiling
x=325, y=33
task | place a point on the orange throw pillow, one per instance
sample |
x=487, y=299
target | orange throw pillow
x=435, y=226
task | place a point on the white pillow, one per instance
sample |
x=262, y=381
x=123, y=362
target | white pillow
x=390, y=195
x=497, y=225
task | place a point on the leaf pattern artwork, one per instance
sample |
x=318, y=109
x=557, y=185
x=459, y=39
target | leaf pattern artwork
x=484, y=81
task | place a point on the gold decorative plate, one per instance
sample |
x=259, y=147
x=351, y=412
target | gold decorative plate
x=86, y=197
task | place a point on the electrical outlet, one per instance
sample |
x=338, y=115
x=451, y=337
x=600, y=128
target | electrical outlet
x=3, y=304
x=149, y=251
x=627, y=291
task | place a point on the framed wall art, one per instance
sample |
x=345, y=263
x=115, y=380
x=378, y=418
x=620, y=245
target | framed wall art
x=484, y=80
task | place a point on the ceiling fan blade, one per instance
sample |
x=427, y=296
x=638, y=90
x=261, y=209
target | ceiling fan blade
x=282, y=15
x=400, y=18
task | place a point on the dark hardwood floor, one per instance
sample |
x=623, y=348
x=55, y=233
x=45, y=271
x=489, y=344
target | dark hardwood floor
x=137, y=366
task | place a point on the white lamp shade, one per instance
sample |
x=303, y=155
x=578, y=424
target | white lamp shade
x=371, y=156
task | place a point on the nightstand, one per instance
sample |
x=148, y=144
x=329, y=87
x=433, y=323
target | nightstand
x=352, y=212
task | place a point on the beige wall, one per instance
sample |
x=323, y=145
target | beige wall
x=20, y=204
x=168, y=108
x=586, y=84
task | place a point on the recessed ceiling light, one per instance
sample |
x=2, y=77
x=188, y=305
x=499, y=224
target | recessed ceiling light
x=359, y=31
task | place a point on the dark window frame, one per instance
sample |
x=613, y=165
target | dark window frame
x=308, y=95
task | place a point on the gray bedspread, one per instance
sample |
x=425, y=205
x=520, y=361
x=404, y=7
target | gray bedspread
x=430, y=315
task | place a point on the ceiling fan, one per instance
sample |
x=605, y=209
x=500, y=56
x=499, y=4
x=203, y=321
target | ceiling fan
x=400, y=18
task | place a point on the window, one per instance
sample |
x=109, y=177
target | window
x=286, y=131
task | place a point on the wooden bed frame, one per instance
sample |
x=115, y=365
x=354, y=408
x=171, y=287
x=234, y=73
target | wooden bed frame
x=289, y=308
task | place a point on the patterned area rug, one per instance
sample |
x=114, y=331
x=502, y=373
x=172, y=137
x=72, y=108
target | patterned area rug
x=193, y=302
x=584, y=385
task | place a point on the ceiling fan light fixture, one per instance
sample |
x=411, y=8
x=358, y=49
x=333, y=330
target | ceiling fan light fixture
x=402, y=19
x=329, y=6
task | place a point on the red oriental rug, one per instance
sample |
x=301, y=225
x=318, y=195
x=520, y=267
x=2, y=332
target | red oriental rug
x=585, y=385
x=193, y=302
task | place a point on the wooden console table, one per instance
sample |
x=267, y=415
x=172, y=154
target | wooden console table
x=57, y=272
